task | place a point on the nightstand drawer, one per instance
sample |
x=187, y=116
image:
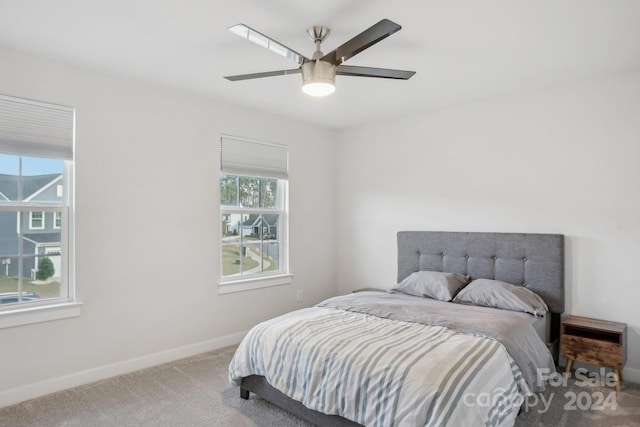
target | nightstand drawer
x=596, y=352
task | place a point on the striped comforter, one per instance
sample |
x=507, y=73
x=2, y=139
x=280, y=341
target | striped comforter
x=382, y=372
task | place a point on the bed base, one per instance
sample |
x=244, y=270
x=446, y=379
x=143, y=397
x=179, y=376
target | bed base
x=258, y=385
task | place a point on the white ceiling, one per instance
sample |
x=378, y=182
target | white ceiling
x=462, y=50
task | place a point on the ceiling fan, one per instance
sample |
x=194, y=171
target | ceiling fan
x=319, y=72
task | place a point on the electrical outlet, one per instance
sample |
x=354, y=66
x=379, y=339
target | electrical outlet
x=299, y=295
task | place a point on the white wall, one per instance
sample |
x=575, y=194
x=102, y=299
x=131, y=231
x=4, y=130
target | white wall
x=563, y=160
x=148, y=223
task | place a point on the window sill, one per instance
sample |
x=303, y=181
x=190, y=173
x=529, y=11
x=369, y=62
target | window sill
x=255, y=283
x=46, y=313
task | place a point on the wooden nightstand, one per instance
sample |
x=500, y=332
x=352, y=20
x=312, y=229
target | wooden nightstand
x=593, y=341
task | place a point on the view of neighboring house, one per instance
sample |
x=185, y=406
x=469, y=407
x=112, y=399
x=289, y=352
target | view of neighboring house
x=41, y=229
x=251, y=225
x=268, y=223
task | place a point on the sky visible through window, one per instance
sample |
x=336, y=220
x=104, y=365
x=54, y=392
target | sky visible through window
x=9, y=165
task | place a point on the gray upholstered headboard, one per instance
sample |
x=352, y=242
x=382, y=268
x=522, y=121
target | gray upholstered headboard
x=532, y=260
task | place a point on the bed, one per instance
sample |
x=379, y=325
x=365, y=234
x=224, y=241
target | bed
x=373, y=358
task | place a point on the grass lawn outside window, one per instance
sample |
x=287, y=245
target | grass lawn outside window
x=51, y=289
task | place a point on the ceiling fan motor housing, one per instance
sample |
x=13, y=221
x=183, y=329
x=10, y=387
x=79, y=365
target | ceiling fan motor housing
x=318, y=71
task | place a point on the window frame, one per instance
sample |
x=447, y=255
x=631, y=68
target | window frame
x=42, y=130
x=263, y=279
x=26, y=209
x=253, y=281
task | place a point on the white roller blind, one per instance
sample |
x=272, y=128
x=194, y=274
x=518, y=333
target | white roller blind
x=243, y=157
x=38, y=129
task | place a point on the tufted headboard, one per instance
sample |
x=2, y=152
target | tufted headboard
x=532, y=260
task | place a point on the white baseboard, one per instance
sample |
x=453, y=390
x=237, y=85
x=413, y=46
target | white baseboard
x=31, y=391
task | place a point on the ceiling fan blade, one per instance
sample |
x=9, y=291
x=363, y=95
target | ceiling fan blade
x=265, y=74
x=384, y=73
x=365, y=39
x=260, y=39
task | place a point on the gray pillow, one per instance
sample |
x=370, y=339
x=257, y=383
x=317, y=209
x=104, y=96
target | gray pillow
x=432, y=284
x=494, y=293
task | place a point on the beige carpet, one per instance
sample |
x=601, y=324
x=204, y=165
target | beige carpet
x=195, y=392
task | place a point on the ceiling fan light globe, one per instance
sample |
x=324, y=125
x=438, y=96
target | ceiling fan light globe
x=318, y=78
x=318, y=89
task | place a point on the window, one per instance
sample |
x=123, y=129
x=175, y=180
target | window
x=36, y=220
x=36, y=217
x=253, y=212
x=57, y=220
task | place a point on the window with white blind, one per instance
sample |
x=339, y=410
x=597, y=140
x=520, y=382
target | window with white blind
x=253, y=212
x=36, y=211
